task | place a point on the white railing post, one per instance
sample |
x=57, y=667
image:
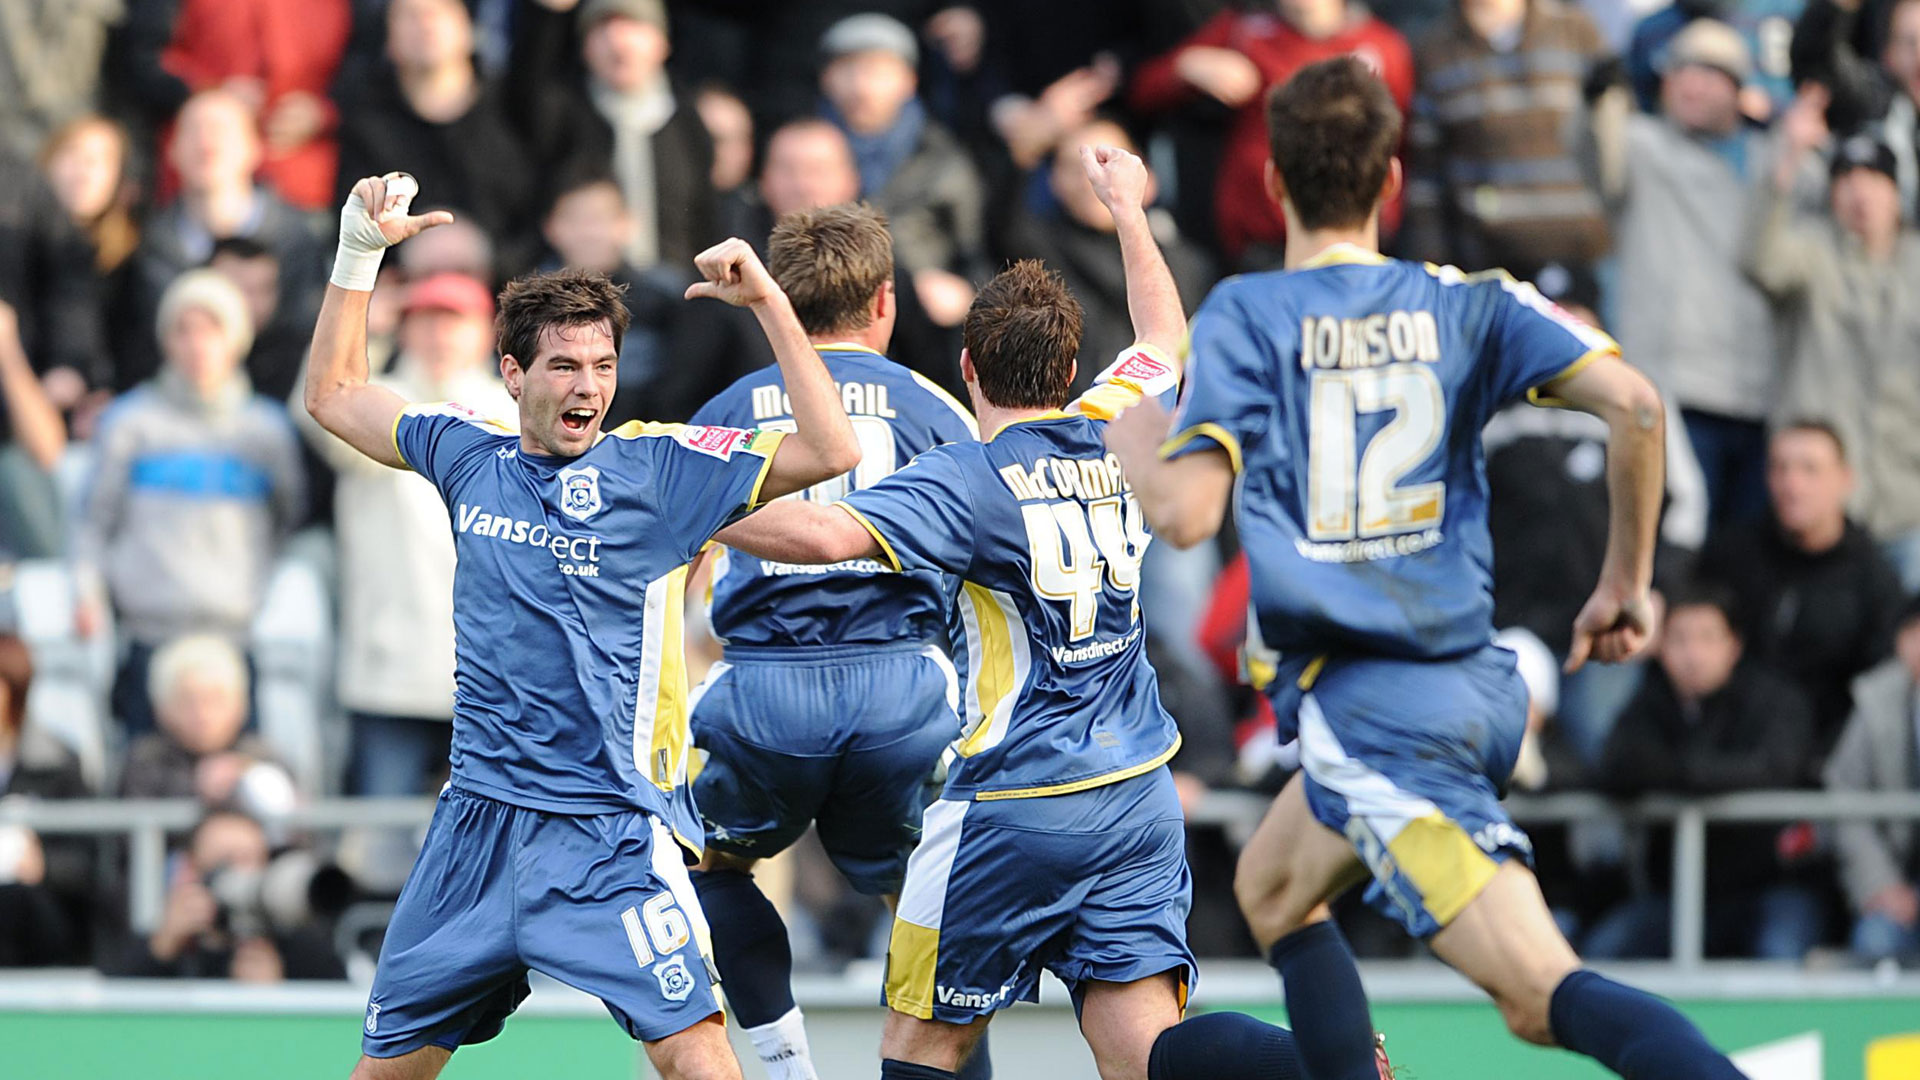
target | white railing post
x=1689, y=886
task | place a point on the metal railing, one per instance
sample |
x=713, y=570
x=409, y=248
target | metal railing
x=146, y=823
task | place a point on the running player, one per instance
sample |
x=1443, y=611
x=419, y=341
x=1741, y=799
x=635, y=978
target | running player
x=557, y=845
x=1058, y=843
x=1346, y=394
x=836, y=697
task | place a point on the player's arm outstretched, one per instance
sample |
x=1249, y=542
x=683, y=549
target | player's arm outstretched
x=797, y=531
x=822, y=445
x=337, y=394
x=1617, y=620
x=1121, y=181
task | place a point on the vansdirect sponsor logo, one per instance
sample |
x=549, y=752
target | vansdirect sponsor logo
x=973, y=999
x=861, y=566
x=576, y=556
x=1098, y=650
x=1385, y=547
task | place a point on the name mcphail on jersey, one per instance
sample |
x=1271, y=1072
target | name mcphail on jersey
x=576, y=556
x=858, y=398
x=1086, y=479
x=1397, y=337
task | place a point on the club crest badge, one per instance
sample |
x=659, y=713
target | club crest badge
x=676, y=982
x=580, y=492
x=373, y=1018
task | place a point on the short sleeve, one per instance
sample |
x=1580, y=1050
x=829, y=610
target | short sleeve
x=433, y=439
x=922, y=516
x=708, y=477
x=1230, y=392
x=1536, y=343
x=1140, y=371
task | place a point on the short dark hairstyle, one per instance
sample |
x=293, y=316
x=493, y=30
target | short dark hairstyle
x=242, y=247
x=1023, y=333
x=830, y=262
x=1332, y=130
x=1710, y=594
x=563, y=298
x=1816, y=426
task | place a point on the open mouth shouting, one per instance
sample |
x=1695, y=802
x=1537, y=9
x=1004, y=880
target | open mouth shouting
x=577, y=421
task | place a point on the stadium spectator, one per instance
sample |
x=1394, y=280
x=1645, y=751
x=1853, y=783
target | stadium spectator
x=279, y=56
x=730, y=126
x=200, y=687
x=1880, y=751
x=1233, y=60
x=1074, y=235
x=1850, y=286
x=217, y=924
x=429, y=113
x=279, y=342
x=909, y=166
x=395, y=676
x=1498, y=150
x=32, y=439
x=1765, y=25
x=1868, y=56
x=89, y=165
x=1813, y=597
x=196, y=482
x=46, y=275
x=625, y=117
x=216, y=151
x=1707, y=723
x=46, y=885
x=1688, y=314
x=50, y=53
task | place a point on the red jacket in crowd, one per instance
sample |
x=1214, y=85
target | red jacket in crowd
x=1245, y=216
x=283, y=47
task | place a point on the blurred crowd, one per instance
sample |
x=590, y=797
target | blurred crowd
x=225, y=604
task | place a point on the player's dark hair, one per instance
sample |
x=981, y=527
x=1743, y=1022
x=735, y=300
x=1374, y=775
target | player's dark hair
x=560, y=298
x=1023, y=333
x=1815, y=426
x=1707, y=594
x=1332, y=130
x=830, y=262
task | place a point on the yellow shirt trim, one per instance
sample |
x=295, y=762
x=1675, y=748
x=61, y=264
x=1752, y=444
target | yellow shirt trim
x=1344, y=253
x=1539, y=397
x=1206, y=431
x=393, y=434
x=1089, y=783
x=846, y=346
x=1311, y=674
x=766, y=450
x=885, y=548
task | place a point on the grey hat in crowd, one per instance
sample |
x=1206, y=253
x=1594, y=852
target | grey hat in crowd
x=1712, y=44
x=1864, y=151
x=871, y=32
x=213, y=293
x=646, y=11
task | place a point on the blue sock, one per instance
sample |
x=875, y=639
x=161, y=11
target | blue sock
x=895, y=1069
x=1632, y=1032
x=979, y=1063
x=1224, y=1046
x=750, y=946
x=1326, y=1005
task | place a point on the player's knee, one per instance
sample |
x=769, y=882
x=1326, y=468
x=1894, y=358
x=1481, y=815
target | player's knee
x=701, y=1052
x=1526, y=1015
x=716, y=860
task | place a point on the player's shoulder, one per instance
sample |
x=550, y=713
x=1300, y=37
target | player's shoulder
x=451, y=413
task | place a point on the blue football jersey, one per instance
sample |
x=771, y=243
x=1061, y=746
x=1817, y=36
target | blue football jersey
x=1349, y=395
x=896, y=414
x=570, y=684
x=1046, y=537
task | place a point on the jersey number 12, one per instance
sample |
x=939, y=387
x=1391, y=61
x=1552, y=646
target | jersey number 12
x=1354, y=491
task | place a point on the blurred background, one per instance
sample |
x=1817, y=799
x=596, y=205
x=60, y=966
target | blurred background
x=225, y=641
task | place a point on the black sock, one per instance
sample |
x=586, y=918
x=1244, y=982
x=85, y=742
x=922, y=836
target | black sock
x=750, y=946
x=1326, y=1005
x=1632, y=1032
x=1224, y=1046
x=895, y=1069
x=978, y=1064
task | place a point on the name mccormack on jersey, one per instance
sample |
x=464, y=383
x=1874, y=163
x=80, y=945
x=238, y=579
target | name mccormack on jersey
x=576, y=556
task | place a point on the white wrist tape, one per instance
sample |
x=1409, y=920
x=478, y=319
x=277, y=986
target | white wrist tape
x=356, y=262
